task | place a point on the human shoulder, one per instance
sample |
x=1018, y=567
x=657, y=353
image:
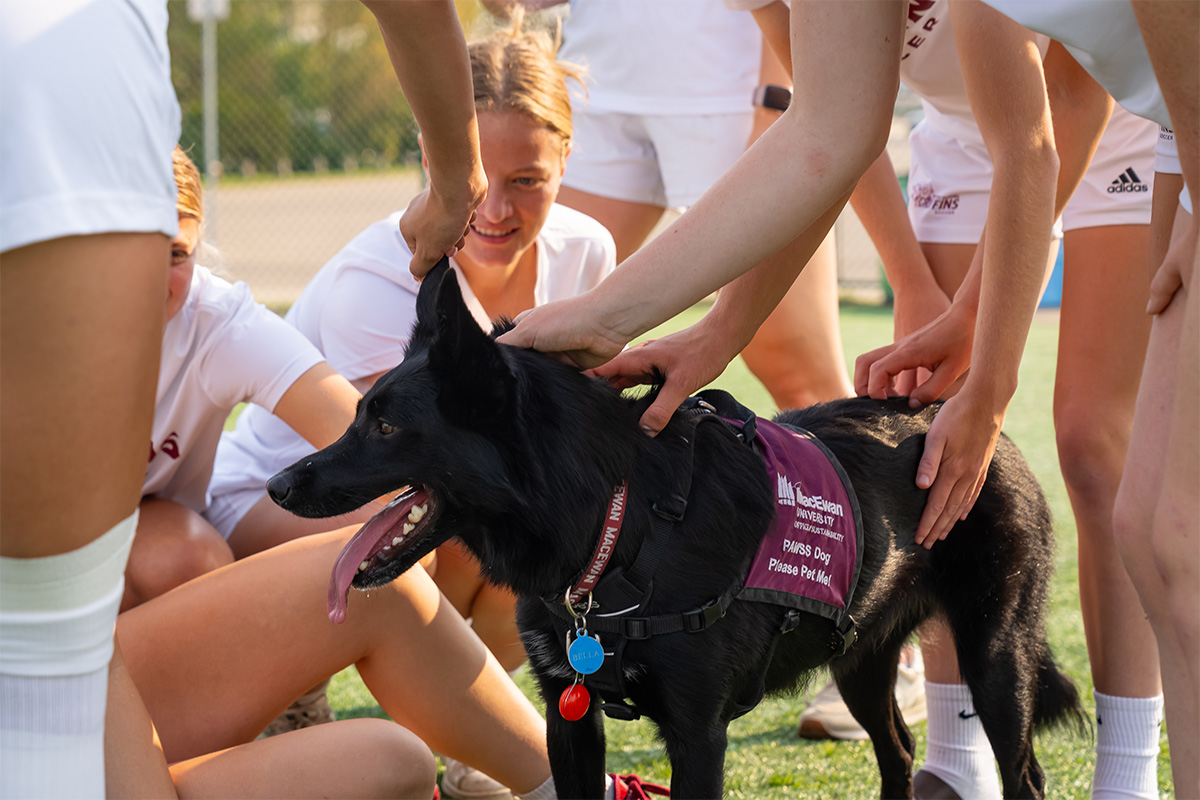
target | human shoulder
x=378, y=250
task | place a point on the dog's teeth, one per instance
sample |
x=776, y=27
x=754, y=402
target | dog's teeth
x=395, y=541
x=408, y=526
x=362, y=566
x=387, y=547
x=417, y=512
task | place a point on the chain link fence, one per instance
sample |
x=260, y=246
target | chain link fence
x=316, y=140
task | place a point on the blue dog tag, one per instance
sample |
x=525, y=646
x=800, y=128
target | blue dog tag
x=585, y=655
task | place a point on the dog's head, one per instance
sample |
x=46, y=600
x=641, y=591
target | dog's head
x=476, y=435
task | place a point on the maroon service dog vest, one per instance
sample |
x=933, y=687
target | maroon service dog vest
x=811, y=557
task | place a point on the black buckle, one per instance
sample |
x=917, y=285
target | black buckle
x=671, y=509
x=622, y=711
x=636, y=628
x=701, y=618
x=791, y=620
x=844, y=636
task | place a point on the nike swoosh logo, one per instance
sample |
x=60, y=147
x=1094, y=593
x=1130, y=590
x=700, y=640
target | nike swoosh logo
x=964, y=715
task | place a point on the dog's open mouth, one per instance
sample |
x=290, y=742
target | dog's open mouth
x=380, y=541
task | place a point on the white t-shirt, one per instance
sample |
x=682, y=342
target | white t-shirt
x=1104, y=37
x=359, y=310
x=222, y=348
x=664, y=56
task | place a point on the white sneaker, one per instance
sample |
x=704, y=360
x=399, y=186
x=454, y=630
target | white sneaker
x=467, y=783
x=827, y=717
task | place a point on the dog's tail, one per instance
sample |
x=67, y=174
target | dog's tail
x=1057, y=701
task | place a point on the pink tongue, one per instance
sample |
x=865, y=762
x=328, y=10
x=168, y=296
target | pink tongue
x=363, y=544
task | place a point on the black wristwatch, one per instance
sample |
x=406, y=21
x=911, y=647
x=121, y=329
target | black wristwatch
x=771, y=96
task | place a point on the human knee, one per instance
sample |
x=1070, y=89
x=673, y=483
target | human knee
x=404, y=765
x=1132, y=519
x=1173, y=545
x=1091, y=456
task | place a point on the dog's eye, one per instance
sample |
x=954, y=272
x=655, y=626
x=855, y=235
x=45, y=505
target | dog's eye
x=386, y=427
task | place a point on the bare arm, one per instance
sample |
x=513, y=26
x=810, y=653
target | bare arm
x=319, y=406
x=812, y=156
x=428, y=52
x=1003, y=71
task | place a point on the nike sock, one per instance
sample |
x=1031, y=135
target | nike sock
x=957, y=749
x=1127, y=732
x=56, y=639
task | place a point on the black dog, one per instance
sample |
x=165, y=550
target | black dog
x=518, y=455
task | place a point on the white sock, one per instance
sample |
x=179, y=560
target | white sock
x=958, y=750
x=544, y=792
x=1127, y=731
x=56, y=639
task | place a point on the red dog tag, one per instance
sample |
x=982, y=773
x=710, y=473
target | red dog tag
x=574, y=702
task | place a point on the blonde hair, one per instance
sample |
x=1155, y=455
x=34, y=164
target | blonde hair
x=187, y=180
x=519, y=70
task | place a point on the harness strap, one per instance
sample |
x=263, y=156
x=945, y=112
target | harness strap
x=692, y=621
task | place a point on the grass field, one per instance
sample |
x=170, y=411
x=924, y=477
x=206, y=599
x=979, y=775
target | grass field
x=765, y=758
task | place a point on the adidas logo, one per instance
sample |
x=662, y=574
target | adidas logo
x=784, y=492
x=1127, y=181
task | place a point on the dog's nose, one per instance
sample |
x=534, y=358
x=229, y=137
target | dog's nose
x=279, y=487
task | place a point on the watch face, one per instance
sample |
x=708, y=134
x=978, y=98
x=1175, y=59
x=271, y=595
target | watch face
x=777, y=97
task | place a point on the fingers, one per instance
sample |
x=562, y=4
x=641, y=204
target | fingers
x=927, y=475
x=1167, y=282
x=935, y=386
x=659, y=413
x=871, y=373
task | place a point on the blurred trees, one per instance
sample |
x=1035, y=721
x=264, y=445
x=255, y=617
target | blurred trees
x=302, y=84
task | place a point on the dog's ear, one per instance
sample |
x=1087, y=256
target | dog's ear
x=475, y=381
x=427, y=298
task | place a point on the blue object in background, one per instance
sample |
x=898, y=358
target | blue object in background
x=1052, y=297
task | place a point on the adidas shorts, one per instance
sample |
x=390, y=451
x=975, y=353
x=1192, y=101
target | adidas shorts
x=1166, y=161
x=1116, y=189
x=662, y=160
x=949, y=182
x=85, y=138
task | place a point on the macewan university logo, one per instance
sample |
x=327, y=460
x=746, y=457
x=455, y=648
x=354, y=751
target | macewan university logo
x=1127, y=181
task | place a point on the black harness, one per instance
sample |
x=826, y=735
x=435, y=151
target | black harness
x=619, y=595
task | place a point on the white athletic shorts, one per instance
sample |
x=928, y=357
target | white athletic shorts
x=660, y=160
x=1166, y=161
x=231, y=506
x=88, y=120
x=950, y=180
x=1117, y=187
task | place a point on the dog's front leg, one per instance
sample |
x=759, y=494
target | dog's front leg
x=697, y=759
x=576, y=750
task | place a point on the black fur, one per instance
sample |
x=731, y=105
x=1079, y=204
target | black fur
x=519, y=454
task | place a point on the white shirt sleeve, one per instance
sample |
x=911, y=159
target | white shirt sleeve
x=365, y=323
x=254, y=357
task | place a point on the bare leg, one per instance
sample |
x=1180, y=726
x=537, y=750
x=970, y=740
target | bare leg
x=1157, y=542
x=255, y=635
x=173, y=544
x=629, y=223
x=491, y=609
x=797, y=352
x=357, y=758
x=267, y=525
x=80, y=334
x=1102, y=343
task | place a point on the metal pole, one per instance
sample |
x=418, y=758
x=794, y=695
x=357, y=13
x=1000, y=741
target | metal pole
x=212, y=148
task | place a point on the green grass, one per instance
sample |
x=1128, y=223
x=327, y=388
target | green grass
x=765, y=759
